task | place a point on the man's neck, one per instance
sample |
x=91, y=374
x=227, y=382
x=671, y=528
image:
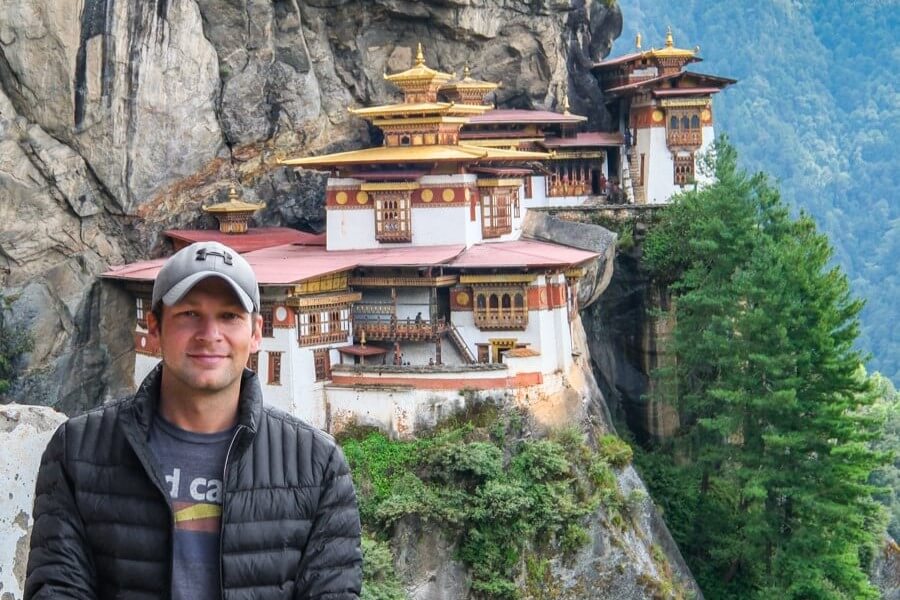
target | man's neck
x=198, y=413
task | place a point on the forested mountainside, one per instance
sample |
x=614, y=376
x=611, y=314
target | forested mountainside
x=817, y=108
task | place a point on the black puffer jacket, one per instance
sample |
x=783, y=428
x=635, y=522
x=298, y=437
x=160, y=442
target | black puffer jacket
x=103, y=527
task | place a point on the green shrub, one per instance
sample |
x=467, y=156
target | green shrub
x=615, y=450
x=379, y=579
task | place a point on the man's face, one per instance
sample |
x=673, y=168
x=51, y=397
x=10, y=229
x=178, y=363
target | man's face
x=205, y=340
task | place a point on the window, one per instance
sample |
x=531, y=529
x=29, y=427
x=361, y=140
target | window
x=673, y=123
x=323, y=364
x=501, y=308
x=253, y=362
x=683, y=128
x=496, y=218
x=529, y=192
x=684, y=169
x=274, y=368
x=267, y=326
x=143, y=307
x=392, y=217
x=323, y=326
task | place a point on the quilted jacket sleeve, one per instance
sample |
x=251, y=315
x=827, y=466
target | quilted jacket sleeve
x=59, y=564
x=332, y=566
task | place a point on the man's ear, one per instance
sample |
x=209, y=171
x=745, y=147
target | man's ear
x=152, y=326
x=256, y=336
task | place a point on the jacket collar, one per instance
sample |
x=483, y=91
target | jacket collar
x=146, y=399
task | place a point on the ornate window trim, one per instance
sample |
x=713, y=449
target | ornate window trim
x=496, y=212
x=323, y=326
x=503, y=308
x=393, y=216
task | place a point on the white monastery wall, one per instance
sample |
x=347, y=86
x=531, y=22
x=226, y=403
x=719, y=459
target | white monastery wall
x=660, y=175
x=411, y=301
x=436, y=226
x=24, y=433
x=351, y=229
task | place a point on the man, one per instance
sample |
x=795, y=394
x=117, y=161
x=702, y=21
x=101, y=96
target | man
x=192, y=489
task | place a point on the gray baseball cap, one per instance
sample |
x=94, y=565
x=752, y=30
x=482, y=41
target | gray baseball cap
x=192, y=264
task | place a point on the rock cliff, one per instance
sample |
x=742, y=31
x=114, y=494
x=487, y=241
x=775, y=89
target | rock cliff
x=118, y=119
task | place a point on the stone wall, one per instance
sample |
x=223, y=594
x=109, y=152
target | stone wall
x=24, y=433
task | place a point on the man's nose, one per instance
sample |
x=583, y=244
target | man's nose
x=209, y=329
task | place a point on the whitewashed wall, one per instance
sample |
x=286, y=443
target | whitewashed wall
x=24, y=433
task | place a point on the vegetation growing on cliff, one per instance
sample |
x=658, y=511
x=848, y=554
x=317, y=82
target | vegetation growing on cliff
x=504, y=498
x=773, y=500
x=14, y=341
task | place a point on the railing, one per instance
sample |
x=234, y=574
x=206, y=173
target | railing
x=684, y=137
x=460, y=344
x=501, y=320
x=323, y=338
x=377, y=327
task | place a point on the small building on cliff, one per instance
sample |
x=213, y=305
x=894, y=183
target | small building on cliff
x=665, y=115
x=424, y=285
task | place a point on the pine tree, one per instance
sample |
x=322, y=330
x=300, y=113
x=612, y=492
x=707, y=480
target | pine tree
x=770, y=389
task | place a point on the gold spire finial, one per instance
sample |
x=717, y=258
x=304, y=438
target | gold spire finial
x=637, y=40
x=467, y=72
x=670, y=39
x=566, y=106
x=233, y=194
x=420, y=55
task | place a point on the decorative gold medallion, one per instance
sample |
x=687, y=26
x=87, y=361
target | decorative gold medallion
x=462, y=299
x=427, y=195
x=341, y=197
x=657, y=116
x=706, y=115
x=448, y=194
x=362, y=197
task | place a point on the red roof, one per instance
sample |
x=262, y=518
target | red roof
x=714, y=80
x=521, y=253
x=588, y=138
x=611, y=62
x=357, y=350
x=517, y=115
x=254, y=239
x=290, y=263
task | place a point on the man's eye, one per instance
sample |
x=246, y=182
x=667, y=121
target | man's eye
x=230, y=316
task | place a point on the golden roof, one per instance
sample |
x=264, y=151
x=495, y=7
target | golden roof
x=420, y=108
x=234, y=204
x=468, y=83
x=419, y=72
x=413, y=154
x=670, y=51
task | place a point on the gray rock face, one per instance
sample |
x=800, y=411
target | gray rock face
x=120, y=119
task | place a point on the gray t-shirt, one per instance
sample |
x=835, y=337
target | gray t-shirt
x=193, y=465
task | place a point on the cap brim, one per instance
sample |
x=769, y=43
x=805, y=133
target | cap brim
x=180, y=289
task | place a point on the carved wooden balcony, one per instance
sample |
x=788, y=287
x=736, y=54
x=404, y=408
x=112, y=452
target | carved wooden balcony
x=684, y=137
x=502, y=320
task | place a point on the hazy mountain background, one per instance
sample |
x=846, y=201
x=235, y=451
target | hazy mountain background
x=817, y=108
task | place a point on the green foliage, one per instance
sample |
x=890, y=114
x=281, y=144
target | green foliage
x=773, y=499
x=379, y=580
x=886, y=410
x=615, y=451
x=496, y=498
x=14, y=341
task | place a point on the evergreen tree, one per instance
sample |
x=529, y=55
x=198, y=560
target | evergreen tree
x=769, y=389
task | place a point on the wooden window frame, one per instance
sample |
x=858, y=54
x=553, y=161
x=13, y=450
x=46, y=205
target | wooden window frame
x=683, y=169
x=393, y=217
x=274, y=367
x=267, y=312
x=142, y=307
x=322, y=363
x=253, y=362
x=503, y=308
x=316, y=327
x=496, y=213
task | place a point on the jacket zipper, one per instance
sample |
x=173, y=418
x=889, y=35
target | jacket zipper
x=222, y=518
x=147, y=463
